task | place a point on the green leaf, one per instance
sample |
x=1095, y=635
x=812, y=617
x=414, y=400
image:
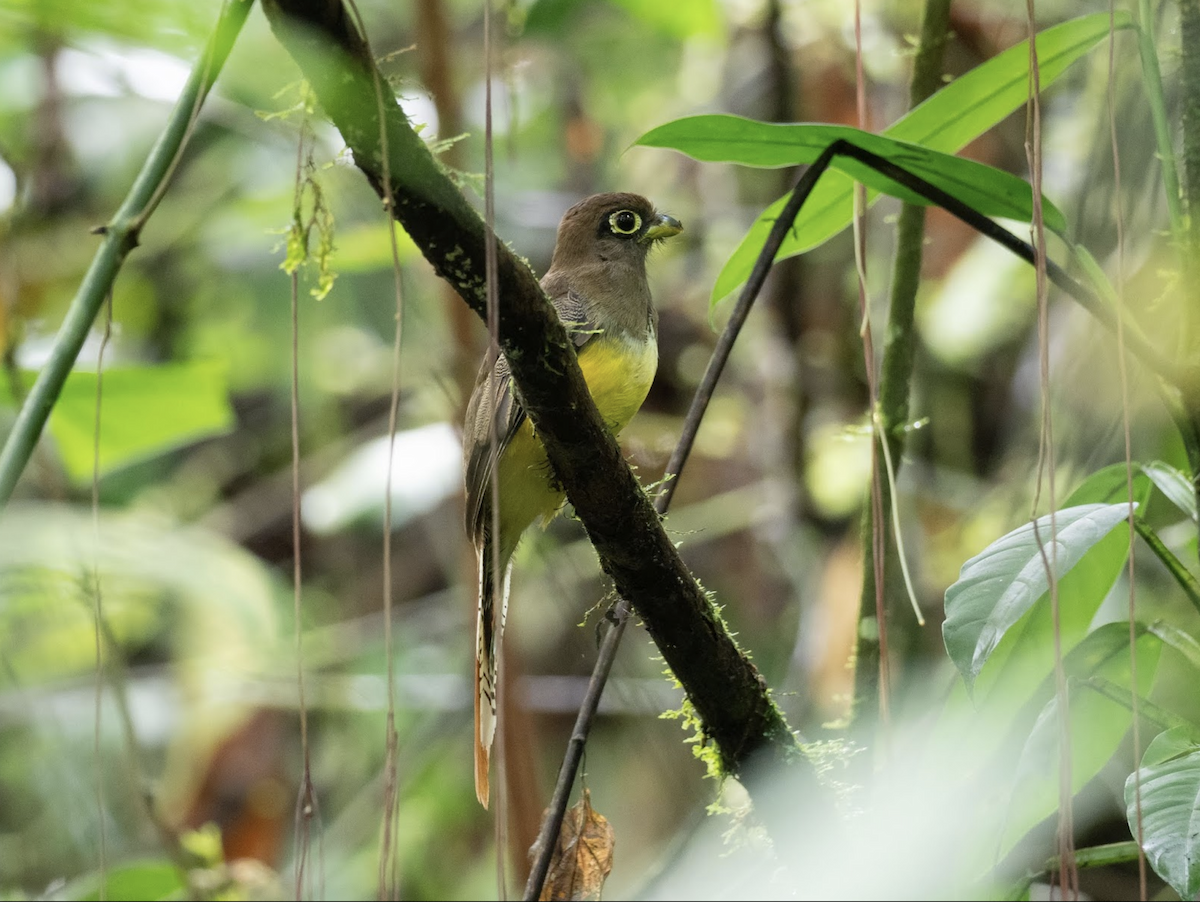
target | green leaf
x=1097, y=725
x=946, y=122
x=1024, y=659
x=1170, y=797
x=144, y=412
x=1004, y=581
x=977, y=100
x=734, y=139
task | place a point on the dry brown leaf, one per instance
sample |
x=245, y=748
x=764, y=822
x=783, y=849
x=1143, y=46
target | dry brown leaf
x=582, y=857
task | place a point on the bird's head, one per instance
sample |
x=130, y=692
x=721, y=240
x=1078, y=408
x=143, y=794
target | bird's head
x=612, y=227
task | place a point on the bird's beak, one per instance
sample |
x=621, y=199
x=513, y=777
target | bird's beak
x=664, y=226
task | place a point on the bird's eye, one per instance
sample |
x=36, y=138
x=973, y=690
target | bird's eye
x=624, y=222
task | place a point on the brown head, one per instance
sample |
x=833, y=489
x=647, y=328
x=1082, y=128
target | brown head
x=600, y=259
x=611, y=228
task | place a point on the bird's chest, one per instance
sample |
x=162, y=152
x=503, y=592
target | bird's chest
x=619, y=370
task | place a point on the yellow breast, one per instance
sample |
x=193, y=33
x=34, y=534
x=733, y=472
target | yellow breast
x=619, y=371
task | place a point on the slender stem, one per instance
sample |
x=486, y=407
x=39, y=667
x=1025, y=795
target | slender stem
x=120, y=237
x=1189, y=330
x=1157, y=716
x=1189, y=72
x=1183, y=576
x=896, y=368
x=1139, y=820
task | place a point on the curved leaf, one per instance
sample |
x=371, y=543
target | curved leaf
x=997, y=586
x=145, y=411
x=1170, y=797
x=734, y=139
x=1108, y=485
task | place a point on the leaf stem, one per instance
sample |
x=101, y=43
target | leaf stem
x=1183, y=576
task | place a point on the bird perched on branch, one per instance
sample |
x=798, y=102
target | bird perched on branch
x=597, y=282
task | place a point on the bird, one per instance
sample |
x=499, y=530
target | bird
x=597, y=283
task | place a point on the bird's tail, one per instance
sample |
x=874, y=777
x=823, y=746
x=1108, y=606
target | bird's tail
x=489, y=629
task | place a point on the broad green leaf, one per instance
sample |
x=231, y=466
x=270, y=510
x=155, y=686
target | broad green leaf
x=734, y=139
x=1000, y=584
x=947, y=121
x=1097, y=725
x=1170, y=801
x=144, y=412
x=977, y=100
x=1024, y=659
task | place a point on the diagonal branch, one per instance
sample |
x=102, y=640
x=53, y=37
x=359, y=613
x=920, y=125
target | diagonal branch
x=727, y=691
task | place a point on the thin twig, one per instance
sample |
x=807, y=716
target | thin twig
x=306, y=797
x=876, y=521
x=1069, y=877
x=1183, y=577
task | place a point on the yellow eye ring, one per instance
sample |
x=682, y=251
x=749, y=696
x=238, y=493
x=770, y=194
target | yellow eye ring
x=624, y=222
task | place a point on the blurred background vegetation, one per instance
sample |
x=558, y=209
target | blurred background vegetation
x=194, y=543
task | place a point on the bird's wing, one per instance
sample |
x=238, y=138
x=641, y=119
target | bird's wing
x=494, y=399
x=573, y=311
x=491, y=402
